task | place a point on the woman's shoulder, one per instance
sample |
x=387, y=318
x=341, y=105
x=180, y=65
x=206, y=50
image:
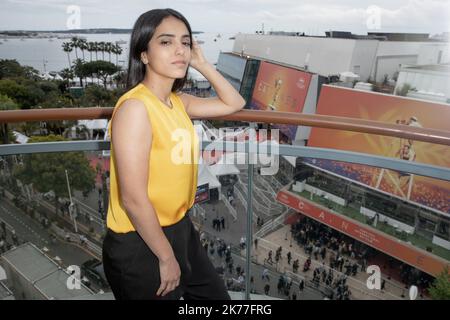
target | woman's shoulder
x=135, y=93
x=131, y=102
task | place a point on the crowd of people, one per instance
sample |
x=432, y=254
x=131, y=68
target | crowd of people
x=344, y=255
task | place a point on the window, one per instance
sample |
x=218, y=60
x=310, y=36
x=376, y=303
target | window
x=426, y=225
x=443, y=230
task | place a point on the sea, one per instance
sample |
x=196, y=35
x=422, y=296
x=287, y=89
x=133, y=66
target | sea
x=47, y=55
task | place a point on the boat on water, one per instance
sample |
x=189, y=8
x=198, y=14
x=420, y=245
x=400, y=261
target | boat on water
x=121, y=42
x=200, y=41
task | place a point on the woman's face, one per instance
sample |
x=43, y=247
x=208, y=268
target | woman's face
x=169, y=50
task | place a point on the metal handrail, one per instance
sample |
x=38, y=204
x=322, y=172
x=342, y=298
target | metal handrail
x=421, y=169
x=320, y=121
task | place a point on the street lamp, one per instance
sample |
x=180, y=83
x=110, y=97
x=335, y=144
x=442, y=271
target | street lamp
x=71, y=205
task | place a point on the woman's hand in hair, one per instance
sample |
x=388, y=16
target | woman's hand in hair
x=197, y=57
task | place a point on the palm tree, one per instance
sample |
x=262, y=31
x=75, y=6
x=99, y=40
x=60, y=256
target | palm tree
x=74, y=44
x=90, y=49
x=117, y=51
x=82, y=44
x=79, y=70
x=108, y=49
x=96, y=49
x=67, y=74
x=101, y=46
x=68, y=49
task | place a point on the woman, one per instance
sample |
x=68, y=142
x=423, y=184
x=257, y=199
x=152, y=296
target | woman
x=151, y=250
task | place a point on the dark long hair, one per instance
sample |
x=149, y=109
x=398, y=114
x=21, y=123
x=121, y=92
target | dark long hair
x=143, y=31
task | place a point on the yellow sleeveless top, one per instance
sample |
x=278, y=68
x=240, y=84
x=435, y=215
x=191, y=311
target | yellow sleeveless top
x=172, y=165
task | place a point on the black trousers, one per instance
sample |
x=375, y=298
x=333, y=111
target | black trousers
x=132, y=269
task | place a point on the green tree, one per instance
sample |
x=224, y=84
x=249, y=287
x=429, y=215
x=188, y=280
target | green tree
x=440, y=289
x=90, y=49
x=13, y=89
x=117, y=50
x=67, y=75
x=46, y=172
x=106, y=69
x=120, y=79
x=109, y=49
x=98, y=96
x=102, y=48
x=102, y=69
x=82, y=44
x=6, y=103
x=49, y=87
x=74, y=44
x=80, y=70
x=96, y=49
x=26, y=93
x=54, y=102
x=12, y=69
x=67, y=48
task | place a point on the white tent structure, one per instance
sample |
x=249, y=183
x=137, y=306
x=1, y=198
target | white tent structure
x=205, y=176
x=96, y=124
x=52, y=75
x=234, y=158
x=222, y=168
x=201, y=132
x=20, y=137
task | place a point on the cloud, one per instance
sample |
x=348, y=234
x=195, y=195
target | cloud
x=238, y=15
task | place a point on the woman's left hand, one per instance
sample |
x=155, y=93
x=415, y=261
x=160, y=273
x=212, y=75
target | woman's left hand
x=197, y=57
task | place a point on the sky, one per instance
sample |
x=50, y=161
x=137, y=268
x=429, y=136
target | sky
x=233, y=16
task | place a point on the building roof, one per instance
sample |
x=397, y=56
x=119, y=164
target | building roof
x=43, y=273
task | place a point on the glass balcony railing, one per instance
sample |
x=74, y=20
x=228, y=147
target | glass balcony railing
x=279, y=221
